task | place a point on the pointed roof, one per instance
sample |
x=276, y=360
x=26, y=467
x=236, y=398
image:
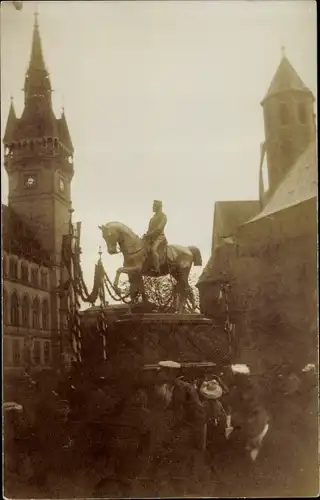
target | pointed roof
x=36, y=59
x=286, y=79
x=38, y=119
x=11, y=124
x=64, y=134
x=37, y=81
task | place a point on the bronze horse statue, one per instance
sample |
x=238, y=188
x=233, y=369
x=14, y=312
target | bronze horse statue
x=174, y=260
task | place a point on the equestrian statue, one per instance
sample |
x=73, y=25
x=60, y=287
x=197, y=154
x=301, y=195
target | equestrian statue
x=151, y=256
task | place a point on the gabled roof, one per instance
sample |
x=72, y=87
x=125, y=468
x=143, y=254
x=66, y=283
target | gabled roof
x=298, y=185
x=228, y=215
x=19, y=239
x=286, y=79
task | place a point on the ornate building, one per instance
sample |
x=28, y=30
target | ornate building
x=38, y=158
x=267, y=249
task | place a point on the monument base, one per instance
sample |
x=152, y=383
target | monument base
x=147, y=338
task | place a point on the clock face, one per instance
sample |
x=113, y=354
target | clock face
x=30, y=181
x=62, y=185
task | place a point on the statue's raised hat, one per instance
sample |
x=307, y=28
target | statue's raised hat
x=157, y=202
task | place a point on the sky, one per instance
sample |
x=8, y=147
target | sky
x=162, y=101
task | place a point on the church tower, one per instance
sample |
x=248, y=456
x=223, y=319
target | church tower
x=39, y=157
x=289, y=121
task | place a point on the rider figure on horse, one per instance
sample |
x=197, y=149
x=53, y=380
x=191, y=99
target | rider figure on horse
x=155, y=234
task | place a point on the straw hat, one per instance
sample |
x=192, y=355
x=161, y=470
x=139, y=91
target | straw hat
x=169, y=364
x=12, y=407
x=240, y=368
x=310, y=367
x=211, y=389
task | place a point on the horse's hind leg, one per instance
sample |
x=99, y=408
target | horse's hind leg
x=183, y=284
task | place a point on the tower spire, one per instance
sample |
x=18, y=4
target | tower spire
x=36, y=59
x=36, y=20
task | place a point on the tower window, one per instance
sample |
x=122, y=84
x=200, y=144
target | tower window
x=284, y=114
x=302, y=113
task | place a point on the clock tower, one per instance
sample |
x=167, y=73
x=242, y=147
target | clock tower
x=39, y=157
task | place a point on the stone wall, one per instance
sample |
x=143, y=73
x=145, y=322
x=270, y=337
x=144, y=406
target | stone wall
x=274, y=302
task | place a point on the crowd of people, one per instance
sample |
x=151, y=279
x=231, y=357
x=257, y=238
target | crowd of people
x=165, y=433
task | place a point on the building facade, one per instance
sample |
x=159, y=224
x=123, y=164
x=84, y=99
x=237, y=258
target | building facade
x=38, y=159
x=270, y=259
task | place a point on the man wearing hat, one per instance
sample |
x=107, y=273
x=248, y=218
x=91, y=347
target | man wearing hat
x=155, y=234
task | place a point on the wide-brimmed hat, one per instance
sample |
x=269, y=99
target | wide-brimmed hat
x=211, y=389
x=169, y=364
x=12, y=406
x=240, y=368
x=310, y=367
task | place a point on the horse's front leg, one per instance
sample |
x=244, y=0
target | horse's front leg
x=116, y=280
x=124, y=270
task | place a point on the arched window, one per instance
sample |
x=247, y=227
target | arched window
x=35, y=277
x=302, y=113
x=14, y=309
x=5, y=307
x=44, y=279
x=5, y=266
x=45, y=315
x=36, y=313
x=13, y=271
x=26, y=311
x=284, y=114
x=24, y=272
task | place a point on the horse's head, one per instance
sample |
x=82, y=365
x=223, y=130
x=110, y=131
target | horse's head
x=111, y=237
x=117, y=234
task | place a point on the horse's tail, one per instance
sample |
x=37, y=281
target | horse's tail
x=197, y=258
